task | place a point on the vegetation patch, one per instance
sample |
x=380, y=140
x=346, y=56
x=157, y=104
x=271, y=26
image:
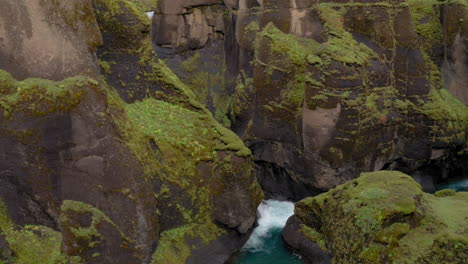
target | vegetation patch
x=31, y=244
x=39, y=97
x=169, y=124
x=386, y=216
x=426, y=19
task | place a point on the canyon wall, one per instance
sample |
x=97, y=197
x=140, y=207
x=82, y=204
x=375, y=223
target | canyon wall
x=322, y=90
x=110, y=160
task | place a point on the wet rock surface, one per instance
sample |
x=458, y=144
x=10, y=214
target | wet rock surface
x=309, y=250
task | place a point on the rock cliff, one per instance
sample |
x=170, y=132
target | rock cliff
x=117, y=142
x=321, y=90
x=95, y=171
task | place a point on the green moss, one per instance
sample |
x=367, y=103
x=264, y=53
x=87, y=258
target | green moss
x=166, y=123
x=292, y=55
x=442, y=225
x=7, y=83
x=149, y=5
x=341, y=46
x=289, y=55
x=297, y=49
x=91, y=233
x=172, y=134
x=314, y=236
x=390, y=235
x=39, y=97
x=161, y=73
x=109, y=9
x=240, y=99
x=105, y=66
x=31, y=244
x=184, y=138
x=385, y=216
x=123, y=19
x=172, y=246
x=449, y=114
x=445, y=192
x=443, y=105
x=208, y=86
x=426, y=19
x=372, y=254
x=191, y=64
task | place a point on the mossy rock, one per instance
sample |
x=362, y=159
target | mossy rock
x=88, y=233
x=40, y=97
x=29, y=244
x=384, y=217
x=191, y=148
x=121, y=22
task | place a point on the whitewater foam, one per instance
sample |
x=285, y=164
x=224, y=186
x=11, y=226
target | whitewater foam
x=272, y=216
x=150, y=14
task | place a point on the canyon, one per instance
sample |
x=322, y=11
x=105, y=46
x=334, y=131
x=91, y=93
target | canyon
x=134, y=138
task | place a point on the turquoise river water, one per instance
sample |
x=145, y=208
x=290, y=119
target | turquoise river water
x=459, y=185
x=265, y=245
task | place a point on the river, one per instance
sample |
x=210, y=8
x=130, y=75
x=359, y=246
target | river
x=265, y=245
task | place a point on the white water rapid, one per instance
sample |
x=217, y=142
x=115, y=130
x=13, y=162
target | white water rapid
x=272, y=216
x=150, y=14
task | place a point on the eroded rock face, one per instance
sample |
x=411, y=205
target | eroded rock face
x=382, y=217
x=88, y=178
x=297, y=241
x=63, y=145
x=48, y=39
x=455, y=43
x=328, y=89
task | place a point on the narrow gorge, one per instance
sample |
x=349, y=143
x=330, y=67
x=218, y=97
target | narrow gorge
x=233, y=131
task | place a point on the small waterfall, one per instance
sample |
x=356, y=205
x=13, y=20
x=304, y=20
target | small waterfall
x=265, y=245
x=272, y=217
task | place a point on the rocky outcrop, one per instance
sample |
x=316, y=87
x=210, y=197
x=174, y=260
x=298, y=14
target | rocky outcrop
x=48, y=39
x=381, y=217
x=60, y=142
x=327, y=89
x=88, y=178
x=298, y=242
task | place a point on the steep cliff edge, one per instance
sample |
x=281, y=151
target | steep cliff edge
x=381, y=217
x=327, y=89
x=87, y=178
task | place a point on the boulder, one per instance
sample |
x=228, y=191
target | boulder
x=382, y=217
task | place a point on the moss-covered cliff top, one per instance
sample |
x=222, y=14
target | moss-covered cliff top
x=385, y=216
x=39, y=97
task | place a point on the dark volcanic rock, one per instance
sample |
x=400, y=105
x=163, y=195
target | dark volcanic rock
x=86, y=177
x=327, y=89
x=298, y=242
x=64, y=146
x=6, y=255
